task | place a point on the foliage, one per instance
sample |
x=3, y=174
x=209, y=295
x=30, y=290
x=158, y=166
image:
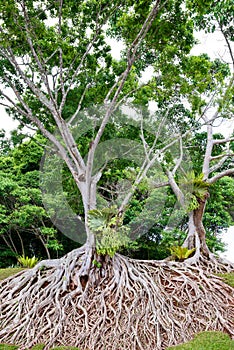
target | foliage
x=7, y=256
x=181, y=253
x=25, y=227
x=194, y=188
x=210, y=14
x=207, y=341
x=25, y=261
x=111, y=234
x=97, y=264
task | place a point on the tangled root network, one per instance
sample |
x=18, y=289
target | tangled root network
x=120, y=304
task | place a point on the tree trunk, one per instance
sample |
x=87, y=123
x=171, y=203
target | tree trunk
x=196, y=237
x=198, y=218
x=89, y=195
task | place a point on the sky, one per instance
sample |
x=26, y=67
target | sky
x=209, y=43
x=228, y=238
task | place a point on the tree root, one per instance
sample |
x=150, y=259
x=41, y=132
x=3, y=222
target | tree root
x=211, y=263
x=123, y=304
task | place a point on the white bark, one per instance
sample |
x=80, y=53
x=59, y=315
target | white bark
x=175, y=188
x=209, y=147
x=215, y=178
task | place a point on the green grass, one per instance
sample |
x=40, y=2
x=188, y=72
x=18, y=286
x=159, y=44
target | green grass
x=36, y=347
x=8, y=347
x=4, y=273
x=228, y=278
x=207, y=341
x=202, y=341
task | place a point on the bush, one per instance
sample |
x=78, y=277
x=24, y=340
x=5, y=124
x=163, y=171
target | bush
x=27, y=262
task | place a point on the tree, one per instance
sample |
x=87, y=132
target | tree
x=53, y=51
x=217, y=160
x=25, y=227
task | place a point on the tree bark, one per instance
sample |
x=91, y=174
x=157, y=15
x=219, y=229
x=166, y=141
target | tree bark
x=196, y=237
x=198, y=218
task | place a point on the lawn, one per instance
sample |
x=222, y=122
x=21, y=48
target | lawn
x=229, y=278
x=4, y=273
x=202, y=341
x=207, y=341
x=36, y=347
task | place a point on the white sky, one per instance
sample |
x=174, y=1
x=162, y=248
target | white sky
x=228, y=238
x=211, y=44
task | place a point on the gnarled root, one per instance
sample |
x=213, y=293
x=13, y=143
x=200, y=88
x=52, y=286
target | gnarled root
x=210, y=263
x=204, y=259
x=120, y=304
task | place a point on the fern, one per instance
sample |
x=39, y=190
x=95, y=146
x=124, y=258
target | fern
x=111, y=234
x=195, y=188
x=27, y=262
x=181, y=253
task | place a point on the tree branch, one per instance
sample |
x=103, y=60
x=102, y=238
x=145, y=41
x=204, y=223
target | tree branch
x=222, y=155
x=131, y=58
x=218, y=142
x=218, y=165
x=175, y=188
x=228, y=172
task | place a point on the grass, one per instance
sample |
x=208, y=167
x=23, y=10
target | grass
x=228, y=278
x=207, y=341
x=36, y=347
x=201, y=341
x=4, y=273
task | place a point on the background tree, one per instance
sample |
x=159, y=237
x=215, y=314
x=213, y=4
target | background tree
x=25, y=226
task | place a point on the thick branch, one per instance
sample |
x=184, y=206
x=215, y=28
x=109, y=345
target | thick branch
x=209, y=148
x=218, y=165
x=228, y=172
x=131, y=55
x=175, y=188
x=218, y=142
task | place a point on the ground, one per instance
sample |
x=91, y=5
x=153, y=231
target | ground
x=120, y=304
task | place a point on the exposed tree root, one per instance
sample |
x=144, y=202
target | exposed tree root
x=211, y=263
x=125, y=304
x=203, y=258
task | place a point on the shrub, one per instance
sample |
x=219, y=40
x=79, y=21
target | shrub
x=27, y=262
x=181, y=253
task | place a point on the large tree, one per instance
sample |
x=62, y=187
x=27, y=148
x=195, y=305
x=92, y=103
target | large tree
x=56, y=51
